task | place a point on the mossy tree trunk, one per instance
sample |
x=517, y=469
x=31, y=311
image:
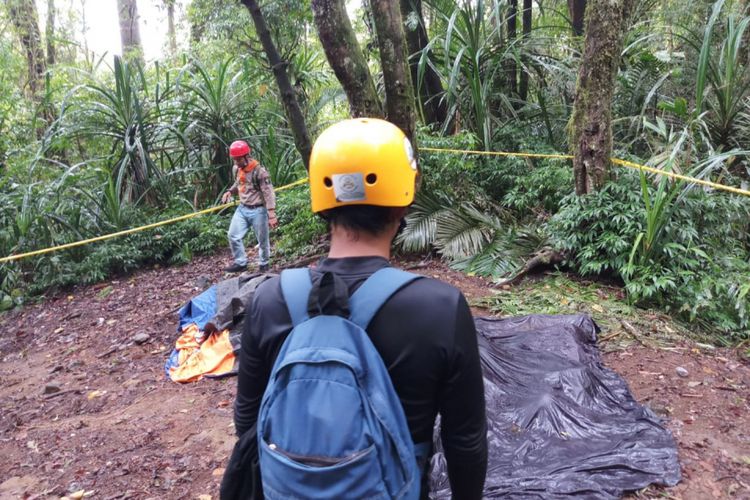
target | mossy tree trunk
x=49, y=33
x=590, y=126
x=576, y=10
x=400, y=107
x=171, y=34
x=130, y=33
x=345, y=57
x=523, y=88
x=23, y=15
x=430, y=89
x=511, y=70
x=25, y=19
x=292, y=108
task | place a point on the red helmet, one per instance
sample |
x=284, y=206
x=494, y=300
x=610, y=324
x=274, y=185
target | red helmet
x=238, y=149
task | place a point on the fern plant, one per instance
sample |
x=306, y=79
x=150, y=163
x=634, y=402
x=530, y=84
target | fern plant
x=484, y=241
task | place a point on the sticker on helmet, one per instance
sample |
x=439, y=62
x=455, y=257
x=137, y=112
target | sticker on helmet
x=410, y=153
x=349, y=187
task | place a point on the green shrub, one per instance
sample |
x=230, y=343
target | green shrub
x=597, y=231
x=450, y=173
x=521, y=184
x=699, y=267
x=174, y=244
x=299, y=229
x=536, y=185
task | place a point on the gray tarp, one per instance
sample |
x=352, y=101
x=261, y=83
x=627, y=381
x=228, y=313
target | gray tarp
x=560, y=424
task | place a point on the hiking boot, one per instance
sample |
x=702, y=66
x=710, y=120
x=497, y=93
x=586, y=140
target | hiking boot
x=263, y=268
x=235, y=268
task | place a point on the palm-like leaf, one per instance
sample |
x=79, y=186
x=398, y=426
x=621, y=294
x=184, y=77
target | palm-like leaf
x=421, y=223
x=482, y=241
x=460, y=233
x=215, y=115
x=468, y=52
x=120, y=115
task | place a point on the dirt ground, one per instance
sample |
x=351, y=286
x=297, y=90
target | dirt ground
x=86, y=409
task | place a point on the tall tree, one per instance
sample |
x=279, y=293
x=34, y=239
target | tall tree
x=345, y=57
x=429, y=88
x=576, y=10
x=399, y=92
x=130, y=33
x=23, y=15
x=49, y=32
x=523, y=88
x=590, y=126
x=288, y=96
x=171, y=36
x=512, y=20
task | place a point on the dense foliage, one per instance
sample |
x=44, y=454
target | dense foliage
x=108, y=144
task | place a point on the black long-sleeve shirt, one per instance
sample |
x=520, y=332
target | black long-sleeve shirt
x=426, y=336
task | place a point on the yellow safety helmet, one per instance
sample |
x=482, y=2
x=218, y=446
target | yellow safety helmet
x=364, y=161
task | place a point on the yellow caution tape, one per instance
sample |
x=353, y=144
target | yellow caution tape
x=500, y=153
x=616, y=161
x=20, y=256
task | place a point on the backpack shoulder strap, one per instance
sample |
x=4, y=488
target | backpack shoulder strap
x=295, y=286
x=255, y=177
x=374, y=292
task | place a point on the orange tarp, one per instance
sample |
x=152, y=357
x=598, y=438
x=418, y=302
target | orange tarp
x=214, y=356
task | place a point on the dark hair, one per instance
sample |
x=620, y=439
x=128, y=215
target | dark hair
x=366, y=218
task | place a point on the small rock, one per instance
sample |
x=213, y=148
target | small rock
x=682, y=372
x=660, y=408
x=52, y=388
x=141, y=338
x=131, y=382
x=100, y=322
x=202, y=282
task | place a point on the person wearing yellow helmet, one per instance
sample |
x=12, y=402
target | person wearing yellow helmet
x=363, y=177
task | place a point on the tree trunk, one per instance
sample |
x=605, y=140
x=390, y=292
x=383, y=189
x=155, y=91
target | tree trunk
x=400, y=107
x=197, y=28
x=50, y=33
x=511, y=64
x=291, y=106
x=430, y=90
x=590, y=126
x=171, y=36
x=345, y=57
x=130, y=34
x=523, y=89
x=25, y=20
x=84, y=29
x=576, y=9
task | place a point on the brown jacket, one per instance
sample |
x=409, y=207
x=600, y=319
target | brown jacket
x=253, y=185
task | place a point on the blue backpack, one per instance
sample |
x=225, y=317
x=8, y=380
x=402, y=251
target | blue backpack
x=331, y=424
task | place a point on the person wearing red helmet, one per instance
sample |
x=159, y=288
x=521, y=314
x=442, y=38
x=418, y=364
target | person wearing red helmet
x=257, y=208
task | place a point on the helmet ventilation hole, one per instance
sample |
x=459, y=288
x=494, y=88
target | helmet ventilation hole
x=327, y=181
x=371, y=178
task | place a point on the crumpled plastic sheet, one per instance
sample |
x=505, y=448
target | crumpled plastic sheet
x=560, y=425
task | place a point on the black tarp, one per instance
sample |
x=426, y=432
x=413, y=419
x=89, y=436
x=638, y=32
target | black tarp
x=561, y=425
